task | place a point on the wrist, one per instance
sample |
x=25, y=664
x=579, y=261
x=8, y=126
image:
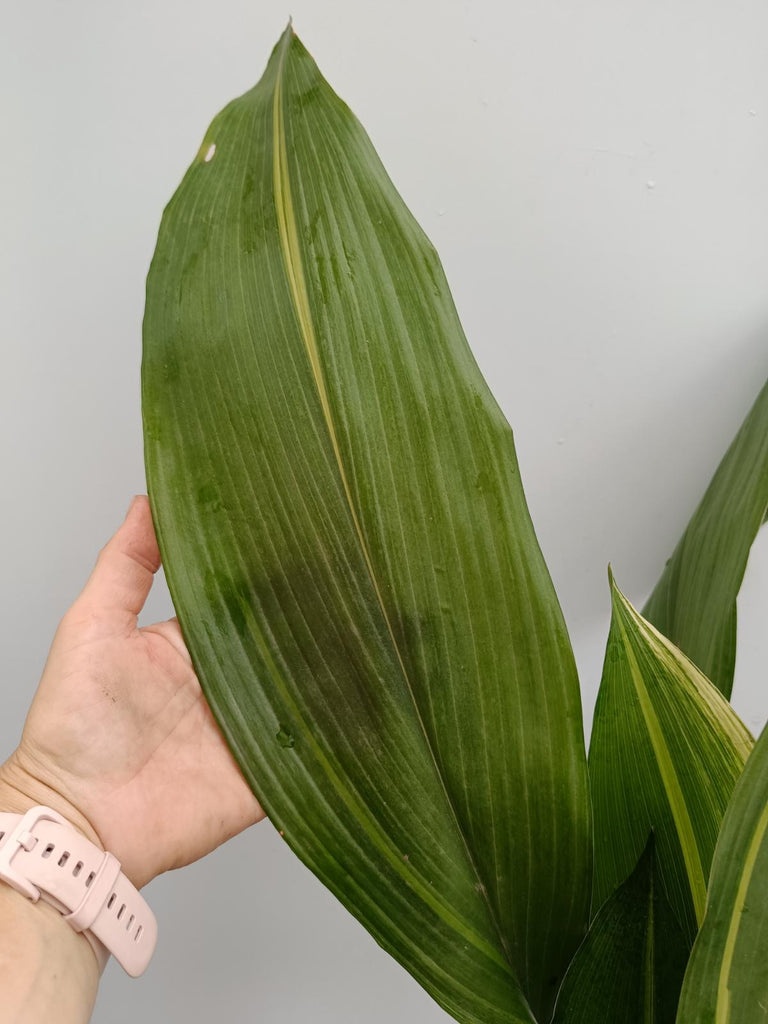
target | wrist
x=44, y=858
x=20, y=790
x=23, y=786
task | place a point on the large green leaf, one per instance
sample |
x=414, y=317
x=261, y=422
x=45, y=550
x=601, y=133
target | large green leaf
x=630, y=966
x=727, y=977
x=694, y=602
x=665, y=754
x=348, y=547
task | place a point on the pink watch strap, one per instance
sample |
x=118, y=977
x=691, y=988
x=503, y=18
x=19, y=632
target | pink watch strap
x=43, y=856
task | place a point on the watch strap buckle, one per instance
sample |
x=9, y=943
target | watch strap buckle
x=22, y=837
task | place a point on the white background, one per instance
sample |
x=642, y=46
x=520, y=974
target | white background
x=594, y=175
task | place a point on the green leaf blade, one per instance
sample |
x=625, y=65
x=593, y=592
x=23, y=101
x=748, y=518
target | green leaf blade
x=727, y=980
x=694, y=601
x=351, y=558
x=665, y=754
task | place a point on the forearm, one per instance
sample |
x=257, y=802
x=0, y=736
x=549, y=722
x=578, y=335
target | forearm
x=48, y=972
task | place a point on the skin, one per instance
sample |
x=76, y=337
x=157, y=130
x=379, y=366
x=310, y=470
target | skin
x=120, y=740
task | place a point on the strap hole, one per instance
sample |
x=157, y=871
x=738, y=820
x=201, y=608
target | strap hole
x=89, y=879
x=120, y=912
x=139, y=930
x=63, y=858
x=77, y=868
x=131, y=919
x=112, y=899
x=48, y=850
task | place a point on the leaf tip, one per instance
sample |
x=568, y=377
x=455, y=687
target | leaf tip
x=616, y=592
x=289, y=31
x=283, y=44
x=620, y=604
x=617, y=597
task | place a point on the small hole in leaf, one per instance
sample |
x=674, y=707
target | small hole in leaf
x=209, y=155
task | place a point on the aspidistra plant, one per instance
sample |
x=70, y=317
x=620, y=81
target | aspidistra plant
x=346, y=540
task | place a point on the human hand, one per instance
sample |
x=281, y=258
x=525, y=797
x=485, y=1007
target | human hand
x=119, y=738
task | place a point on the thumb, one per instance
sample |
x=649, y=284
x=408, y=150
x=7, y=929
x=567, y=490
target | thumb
x=125, y=568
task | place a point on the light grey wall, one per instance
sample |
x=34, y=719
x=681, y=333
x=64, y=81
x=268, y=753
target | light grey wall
x=594, y=177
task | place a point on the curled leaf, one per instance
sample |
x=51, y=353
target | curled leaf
x=694, y=602
x=665, y=754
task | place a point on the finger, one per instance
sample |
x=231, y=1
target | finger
x=170, y=631
x=125, y=568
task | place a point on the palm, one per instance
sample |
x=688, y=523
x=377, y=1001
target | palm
x=120, y=728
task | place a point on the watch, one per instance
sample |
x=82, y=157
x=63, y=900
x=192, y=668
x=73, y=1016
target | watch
x=43, y=857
